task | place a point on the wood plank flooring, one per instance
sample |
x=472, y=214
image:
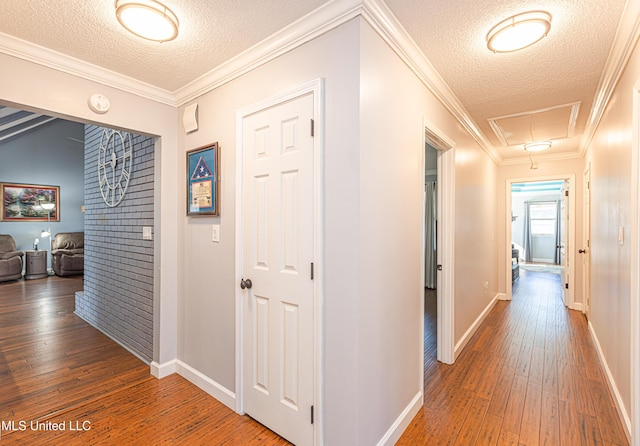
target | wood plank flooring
x=55, y=368
x=49, y=358
x=529, y=376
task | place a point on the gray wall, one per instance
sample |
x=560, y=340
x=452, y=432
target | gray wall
x=118, y=276
x=46, y=156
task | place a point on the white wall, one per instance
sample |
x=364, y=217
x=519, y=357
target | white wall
x=207, y=319
x=374, y=142
x=392, y=105
x=34, y=87
x=610, y=155
x=476, y=236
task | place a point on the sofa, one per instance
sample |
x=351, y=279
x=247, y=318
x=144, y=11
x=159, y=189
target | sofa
x=10, y=259
x=67, y=253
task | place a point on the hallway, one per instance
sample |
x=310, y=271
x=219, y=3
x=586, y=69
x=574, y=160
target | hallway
x=530, y=375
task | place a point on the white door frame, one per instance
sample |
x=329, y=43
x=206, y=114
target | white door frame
x=569, y=300
x=635, y=270
x=316, y=87
x=446, y=236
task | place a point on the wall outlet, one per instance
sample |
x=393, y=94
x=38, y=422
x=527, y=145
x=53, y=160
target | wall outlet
x=146, y=233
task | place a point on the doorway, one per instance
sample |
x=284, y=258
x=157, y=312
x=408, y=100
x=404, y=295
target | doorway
x=443, y=226
x=430, y=253
x=541, y=230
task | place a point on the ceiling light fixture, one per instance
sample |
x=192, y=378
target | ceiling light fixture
x=148, y=19
x=537, y=146
x=519, y=31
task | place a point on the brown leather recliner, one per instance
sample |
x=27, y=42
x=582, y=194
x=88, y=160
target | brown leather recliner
x=67, y=253
x=10, y=259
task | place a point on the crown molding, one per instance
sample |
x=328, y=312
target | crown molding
x=564, y=156
x=325, y=18
x=40, y=55
x=385, y=23
x=623, y=44
x=319, y=21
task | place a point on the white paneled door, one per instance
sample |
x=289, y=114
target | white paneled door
x=278, y=255
x=565, y=245
x=586, y=242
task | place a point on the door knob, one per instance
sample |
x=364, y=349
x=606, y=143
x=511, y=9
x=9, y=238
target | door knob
x=582, y=251
x=246, y=284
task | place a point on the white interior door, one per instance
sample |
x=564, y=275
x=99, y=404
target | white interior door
x=278, y=251
x=586, y=243
x=566, y=257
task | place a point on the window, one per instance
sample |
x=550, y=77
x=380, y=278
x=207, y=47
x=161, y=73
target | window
x=543, y=218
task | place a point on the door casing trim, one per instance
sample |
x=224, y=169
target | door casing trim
x=317, y=89
x=445, y=146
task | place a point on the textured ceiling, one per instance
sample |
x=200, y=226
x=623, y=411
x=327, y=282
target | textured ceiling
x=211, y=32
x=564, y=68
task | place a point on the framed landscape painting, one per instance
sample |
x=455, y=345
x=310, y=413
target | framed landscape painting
x=24, y=202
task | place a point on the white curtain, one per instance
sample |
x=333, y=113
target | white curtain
x=430, y=238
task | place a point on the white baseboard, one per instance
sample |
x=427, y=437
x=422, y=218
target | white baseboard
x=402, y=422
x=622, y=413
x=502, y=296
x=474, y=327
x=576, y=306
x=165, y=369
x=218, y=391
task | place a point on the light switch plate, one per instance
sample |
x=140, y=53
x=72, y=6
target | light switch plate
x=215, y=233
x=146, y=233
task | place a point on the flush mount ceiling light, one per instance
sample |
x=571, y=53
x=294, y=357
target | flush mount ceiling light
x=148, y=19
x=537, y=146
x=519, y=31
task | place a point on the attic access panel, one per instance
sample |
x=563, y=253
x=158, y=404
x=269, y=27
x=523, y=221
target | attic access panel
x=546, y=124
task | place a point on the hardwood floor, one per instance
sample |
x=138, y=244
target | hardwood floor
x=529, y=376
x=430, y=330
x=55, y=368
